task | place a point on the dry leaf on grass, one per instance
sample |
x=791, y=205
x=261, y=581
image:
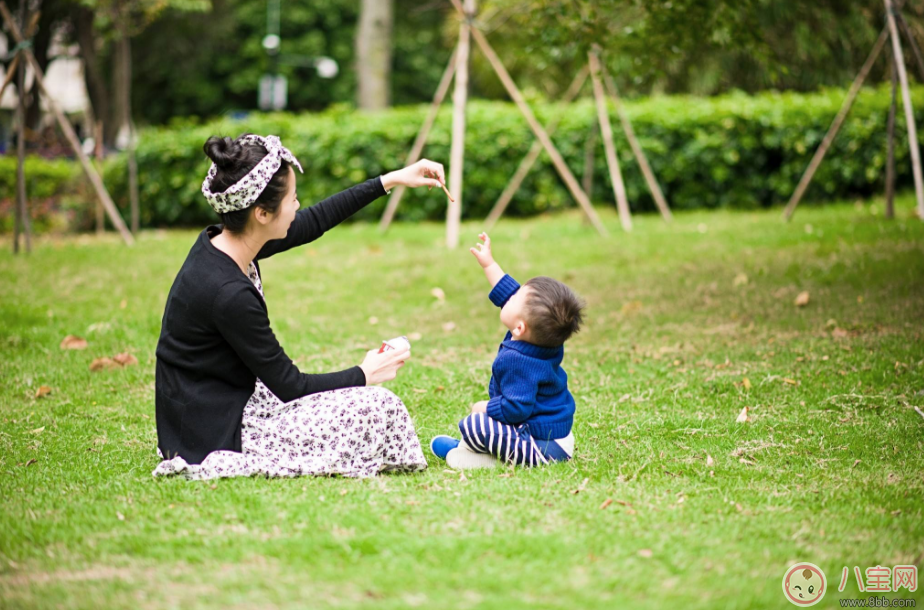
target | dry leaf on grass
x=790, y=381
x=606, y=503
x=802, y=299
x=42, y=391
x=99, y=364
x=740, y=280
x=373, y=320
x=438, y=294
x=746, y=383
x=709, y=461
x=126, y=359
x=415, y=337
x=73, y=342
x=646, y=553
x=580, y=487
x=37, y=430
x=743, y=416
x=449, y=326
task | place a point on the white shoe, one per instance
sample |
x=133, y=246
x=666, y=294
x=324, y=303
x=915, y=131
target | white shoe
x=463, y=458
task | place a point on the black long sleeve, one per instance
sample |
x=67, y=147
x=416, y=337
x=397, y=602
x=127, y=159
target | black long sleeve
x=312, y=222
x=241, y=319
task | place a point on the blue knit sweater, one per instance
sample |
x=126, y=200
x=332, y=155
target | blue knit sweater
x=528, y=385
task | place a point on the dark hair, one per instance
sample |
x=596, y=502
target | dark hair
x=234, y=161
x=553, y=312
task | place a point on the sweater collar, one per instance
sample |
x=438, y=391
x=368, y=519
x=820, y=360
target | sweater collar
x=534, y=351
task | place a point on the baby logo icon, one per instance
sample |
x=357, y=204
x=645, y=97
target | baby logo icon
x=804, y=584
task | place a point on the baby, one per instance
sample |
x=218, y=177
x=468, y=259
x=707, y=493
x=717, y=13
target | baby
x=528, y=419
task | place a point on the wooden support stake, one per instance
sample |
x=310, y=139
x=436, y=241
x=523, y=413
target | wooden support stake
x=606, y=130
x=100, y=212
x=640, y=157
x=532, y=156
x=557, y=160
x=909, y=111
x=919, y=59
x=457, y=150
x=835, y=126
x=587, y=180
x=890, y=146
x=10, y=73
x=21, y=223
x=68, y=131
x=417, y=149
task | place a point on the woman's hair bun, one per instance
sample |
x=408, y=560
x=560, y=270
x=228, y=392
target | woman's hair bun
x=224, y=152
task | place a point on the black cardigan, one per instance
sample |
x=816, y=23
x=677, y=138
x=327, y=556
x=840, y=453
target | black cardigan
x=215, y=339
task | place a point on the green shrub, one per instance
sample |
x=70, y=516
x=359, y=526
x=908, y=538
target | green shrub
x=49, y=186
x=729, y=151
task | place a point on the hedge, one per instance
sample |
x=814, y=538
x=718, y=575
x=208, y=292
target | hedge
x=730, y=151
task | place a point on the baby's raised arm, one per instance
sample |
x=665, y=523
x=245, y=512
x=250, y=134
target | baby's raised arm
x=482, y=252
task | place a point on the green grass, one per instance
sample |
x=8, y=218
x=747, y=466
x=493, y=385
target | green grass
x=828, y=471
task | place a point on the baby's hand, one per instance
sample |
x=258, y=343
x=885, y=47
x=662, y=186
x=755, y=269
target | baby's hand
x=483, y=251
x=480, y=407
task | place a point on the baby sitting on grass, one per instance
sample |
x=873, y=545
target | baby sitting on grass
x=528, y=419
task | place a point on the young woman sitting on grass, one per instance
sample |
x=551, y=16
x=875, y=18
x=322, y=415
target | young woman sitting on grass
x=229, y=401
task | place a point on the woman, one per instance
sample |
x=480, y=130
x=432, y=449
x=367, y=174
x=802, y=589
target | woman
x=229, y=401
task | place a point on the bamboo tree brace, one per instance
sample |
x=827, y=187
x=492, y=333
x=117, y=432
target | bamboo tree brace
x=244, y=192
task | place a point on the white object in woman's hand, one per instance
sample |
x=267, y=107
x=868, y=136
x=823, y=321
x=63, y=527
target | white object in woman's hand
x=423, y=173
x=383, y=367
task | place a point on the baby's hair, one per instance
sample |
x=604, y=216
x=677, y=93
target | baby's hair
x=553, y=312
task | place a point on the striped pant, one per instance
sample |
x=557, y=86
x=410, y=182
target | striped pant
x=513, y=445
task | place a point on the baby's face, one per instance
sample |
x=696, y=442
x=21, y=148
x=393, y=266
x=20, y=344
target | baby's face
x=513, y=313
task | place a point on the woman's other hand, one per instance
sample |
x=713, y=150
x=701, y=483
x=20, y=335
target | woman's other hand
x=383, y=367
x=423, y=173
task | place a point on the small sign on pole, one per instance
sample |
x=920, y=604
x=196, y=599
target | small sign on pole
x=273, y=92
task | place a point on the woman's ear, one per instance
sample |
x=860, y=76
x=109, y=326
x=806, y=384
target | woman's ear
x=262, y=216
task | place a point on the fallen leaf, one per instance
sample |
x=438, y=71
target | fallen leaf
x=738, y=507
x=123, y=304
x=42, y=391
x=415, y=337
x=440, y=388
x=438, y=294
x=855, y=463
x=99, y=364
x=624, y=503
x=37, y=430
x=125, y=359
x=449, y=326
x=790, y=381
x=746, y=383
x=709, y=461
x=30, y=462
x=839, y=333
x=606, y=503
x=741, y=279
x=373, y=320
x=120, y=516
x=743, y=416
x=748, y=462
x=646, y=553
x=802, y=299
x=418, y=391
x=580, y=487
x=73, y=342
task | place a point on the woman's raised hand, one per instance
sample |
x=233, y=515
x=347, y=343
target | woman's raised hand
x=383, y=367
x=423, y=173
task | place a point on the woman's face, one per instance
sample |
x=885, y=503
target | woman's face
x=287, y=209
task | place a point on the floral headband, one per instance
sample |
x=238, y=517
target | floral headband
x=245, y=191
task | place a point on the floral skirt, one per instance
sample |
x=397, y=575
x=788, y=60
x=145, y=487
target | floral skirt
x=353, y=432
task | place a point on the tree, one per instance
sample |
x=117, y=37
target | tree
x=373, y=54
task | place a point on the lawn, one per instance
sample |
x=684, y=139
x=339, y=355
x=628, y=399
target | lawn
x=670, y=502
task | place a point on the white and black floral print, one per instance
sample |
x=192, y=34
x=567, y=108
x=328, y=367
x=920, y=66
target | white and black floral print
x=245, y=191
x=353, y=432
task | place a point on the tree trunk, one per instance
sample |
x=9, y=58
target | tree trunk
x=40, y=42
x=93, y=74
x=373, y=54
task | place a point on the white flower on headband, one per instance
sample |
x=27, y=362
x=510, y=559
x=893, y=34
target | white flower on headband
x=245, y=191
